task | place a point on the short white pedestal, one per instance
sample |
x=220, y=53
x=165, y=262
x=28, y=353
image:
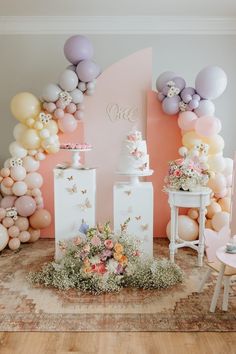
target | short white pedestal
x=181, y=199
x=74, y=201
x=135, y=201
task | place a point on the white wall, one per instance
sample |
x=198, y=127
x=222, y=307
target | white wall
x=29, y=62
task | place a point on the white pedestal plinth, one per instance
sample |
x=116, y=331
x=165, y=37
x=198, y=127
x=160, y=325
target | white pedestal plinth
x=74, y=201
x=135, y=201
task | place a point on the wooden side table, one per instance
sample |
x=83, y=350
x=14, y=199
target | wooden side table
x=181, y=199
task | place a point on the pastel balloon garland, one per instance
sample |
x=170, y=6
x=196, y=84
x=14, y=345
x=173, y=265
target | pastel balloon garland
x=198, y=126
x=22, y=212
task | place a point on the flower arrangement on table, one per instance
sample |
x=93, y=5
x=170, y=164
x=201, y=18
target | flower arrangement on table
x=99, y=261
x=189, y=172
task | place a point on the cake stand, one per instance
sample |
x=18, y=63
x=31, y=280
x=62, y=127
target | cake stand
x=134, y=177
x=75, y=156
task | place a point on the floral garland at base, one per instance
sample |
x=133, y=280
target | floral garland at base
x=102, y=261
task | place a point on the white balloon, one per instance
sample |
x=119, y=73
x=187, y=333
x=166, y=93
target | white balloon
x=91, y=85
x=4, y=238
x=82, y=86
x=229, y=164
x=77, y=96
x=68, y=80
x=19, y=130
x=216, y=163
x=205, y=108
x=44, y=133
x=51, y=93
x=17, y=150
x=183, y=151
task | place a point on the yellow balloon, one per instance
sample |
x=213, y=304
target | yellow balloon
x=25, y=105
x=53, y=149
x=52, y=127
x=190, y=139
x=30, y=139
x=216, y=144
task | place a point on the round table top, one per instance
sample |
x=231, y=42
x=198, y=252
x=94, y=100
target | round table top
x=200, y=191
x=226, y=258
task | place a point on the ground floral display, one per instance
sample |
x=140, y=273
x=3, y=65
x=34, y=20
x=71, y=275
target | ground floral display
x=101, y=261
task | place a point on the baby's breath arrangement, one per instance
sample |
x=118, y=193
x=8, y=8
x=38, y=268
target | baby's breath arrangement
x=101, y=261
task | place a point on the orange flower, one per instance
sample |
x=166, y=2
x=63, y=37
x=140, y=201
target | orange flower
x=123, y=260
x=118, y=248
x=117, y=256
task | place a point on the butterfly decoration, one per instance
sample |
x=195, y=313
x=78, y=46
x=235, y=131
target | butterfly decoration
x=83, y=227
x=128, y=193
x=44, y=118
x=143, y=167
x=127, y=211
x=65, y=97
x=16, y=162
x=86, y=205
x=70, y=178
x=11, y=213
x=73, y=189
x=138, y=217
x=83, y=191
x=60, y=174
x=144, y=227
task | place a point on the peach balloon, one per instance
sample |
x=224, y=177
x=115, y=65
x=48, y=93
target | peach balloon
x=13, y=231
x=220, y=220
x=30, y=164
x=8, y=222
x=19, y=188
x=225, y=204
x=212, y=209
x=40, y=219
x=34, y=235
x=222, y=193
x=53, y=149
x=24, y=236
x=8, y=201
x=190, y=139
x=25, y=205
x=4, y=237
x=5, y=190
x=187, y=228
x=7, y=182
x=36, y=192
x=187, y=120
x=2, y=213
x=34, y=180
x=30, y=139
x=193, y=214
x=22, y=223
x=52, y=127
x=5, y=172
x=217, y=183
x=14, y=244
x=18, y=173
x=208, y=224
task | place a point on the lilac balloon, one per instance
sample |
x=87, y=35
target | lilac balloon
x=165, y=90
x=78, y=48
x=211, y=82
x=160, y=96
x=163, y=78
x=187, y=94
x=87, y=70
x=196, y=97
x=179, y=82
x=193, y=104
x=171, y=105
x=205, y=108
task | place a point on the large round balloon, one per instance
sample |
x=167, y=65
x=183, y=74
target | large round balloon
x=87, y=70
x=208, y=126
x=187, y=228
x=216, y=163
x=211, y=82
x=187, y=120
x=51, y=93
x=17, y=150
x=30, y=164
x=68, y=123
x=68, y=80
x=25, y=105
x=33, y=180
x=4, y=238
x=205, y=108
x=18, y=131
x=78, y=48
x=217, y=183
x=220, y=220
x=25, y=206
x=216, y=144
x=40, y=219
x=190, y=139
x=30, y=139
x=170, y=105
x=163, y=78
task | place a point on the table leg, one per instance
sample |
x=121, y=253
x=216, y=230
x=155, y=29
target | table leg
x=201, y=235
x=217, y=288
x=172, y=234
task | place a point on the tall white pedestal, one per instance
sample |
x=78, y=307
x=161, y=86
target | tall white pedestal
x=135, y=201
x=74, y=201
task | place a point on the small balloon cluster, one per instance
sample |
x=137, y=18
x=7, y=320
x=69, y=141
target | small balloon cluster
x=22, y=213
x=65, y=100
x=199, y=127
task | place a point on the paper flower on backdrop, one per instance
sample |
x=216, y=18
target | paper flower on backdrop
x=65, y=97
x=12, y=213
x=15, y=162
x=44, y=118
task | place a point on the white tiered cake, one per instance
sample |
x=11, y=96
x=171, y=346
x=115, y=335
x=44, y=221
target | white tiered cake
x=134, y=157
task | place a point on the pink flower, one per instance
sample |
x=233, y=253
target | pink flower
x=99, y=268
x=86, y=248
x=179, y=162
x=108, y=244
x=177, y=173
x=96, y=241
x=77, y=241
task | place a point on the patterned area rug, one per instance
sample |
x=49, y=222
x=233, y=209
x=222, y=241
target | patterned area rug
x=181, y=308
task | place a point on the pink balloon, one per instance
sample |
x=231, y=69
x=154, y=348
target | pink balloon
x=30, y=164
x=59, y=113
x=13, y=231
x=14, y=244
x=24, y=236
x=8, y=201
x=18, y=173
x=2, y=213
x=22, y=223
x=34, y=180
x=208, y=126
x=7, y=182
x=25, y=205
x=19, y=188
x=187, y=120
x=67, y=124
